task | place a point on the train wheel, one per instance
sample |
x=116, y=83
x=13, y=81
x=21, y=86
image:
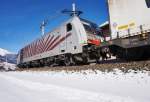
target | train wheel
x=68, y=60
x=97, y=56
x=85, y=58
x=97, y=59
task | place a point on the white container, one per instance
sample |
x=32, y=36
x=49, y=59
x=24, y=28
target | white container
x=128, y=15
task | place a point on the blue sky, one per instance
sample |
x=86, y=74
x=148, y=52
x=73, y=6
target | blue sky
x=20, y=19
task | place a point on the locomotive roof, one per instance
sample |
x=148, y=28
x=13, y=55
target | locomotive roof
x=87, y=21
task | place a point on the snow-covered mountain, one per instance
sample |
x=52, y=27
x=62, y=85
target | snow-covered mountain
x=8, y=56
x=3, y=52
x=7, y=60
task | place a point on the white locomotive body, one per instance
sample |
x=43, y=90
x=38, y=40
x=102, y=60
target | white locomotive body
x=69, y=39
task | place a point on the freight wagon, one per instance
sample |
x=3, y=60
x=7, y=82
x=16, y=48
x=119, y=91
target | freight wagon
x=129, y=26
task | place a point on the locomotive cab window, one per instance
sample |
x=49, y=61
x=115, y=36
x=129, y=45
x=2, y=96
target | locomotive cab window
x=69, y=27
x=90, y=27
x=148, y=3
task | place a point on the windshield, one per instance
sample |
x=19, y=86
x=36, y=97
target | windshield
x=90, y=28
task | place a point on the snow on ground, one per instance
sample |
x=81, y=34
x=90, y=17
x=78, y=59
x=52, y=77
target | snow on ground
x=74, y=87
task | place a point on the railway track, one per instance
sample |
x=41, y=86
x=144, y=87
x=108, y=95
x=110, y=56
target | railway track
x=108, y=65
